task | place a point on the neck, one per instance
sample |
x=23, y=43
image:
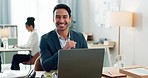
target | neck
x=31, y=30
x=63, y=34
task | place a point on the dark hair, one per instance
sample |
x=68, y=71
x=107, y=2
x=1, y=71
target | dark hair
x=62, y=6
x=30, y=21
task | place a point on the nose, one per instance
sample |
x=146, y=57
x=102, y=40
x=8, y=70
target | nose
x=61, y=20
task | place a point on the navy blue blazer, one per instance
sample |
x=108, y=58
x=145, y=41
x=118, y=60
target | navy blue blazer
x=49, y=46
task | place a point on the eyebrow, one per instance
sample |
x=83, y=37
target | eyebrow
x=62, y=15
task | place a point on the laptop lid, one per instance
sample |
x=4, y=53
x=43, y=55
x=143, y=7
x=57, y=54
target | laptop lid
x=80, y=63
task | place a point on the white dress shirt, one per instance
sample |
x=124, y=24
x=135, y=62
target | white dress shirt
x=62, y=40
x=32, y=42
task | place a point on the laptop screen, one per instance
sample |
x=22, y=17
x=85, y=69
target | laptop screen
x=80, y=63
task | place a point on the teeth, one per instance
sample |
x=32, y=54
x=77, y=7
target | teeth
x=61, y=24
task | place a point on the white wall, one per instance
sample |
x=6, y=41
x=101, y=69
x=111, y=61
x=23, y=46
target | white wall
x=133, y=40
x=140, y=37
x=41, y=10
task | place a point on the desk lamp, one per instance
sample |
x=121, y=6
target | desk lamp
x=120, y=19
x=4, y=36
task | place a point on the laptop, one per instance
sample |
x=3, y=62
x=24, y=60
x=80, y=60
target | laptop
x=80, y=63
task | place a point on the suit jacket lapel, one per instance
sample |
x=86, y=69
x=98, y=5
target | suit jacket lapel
x=71, y=35
x=56, y=41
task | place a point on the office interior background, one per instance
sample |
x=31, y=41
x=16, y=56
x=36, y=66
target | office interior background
x=134, y=40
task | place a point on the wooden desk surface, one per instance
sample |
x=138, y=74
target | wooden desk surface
x=91, y=45
x=114, y=69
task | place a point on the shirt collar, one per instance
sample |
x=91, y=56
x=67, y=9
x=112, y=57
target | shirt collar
x=60, y=36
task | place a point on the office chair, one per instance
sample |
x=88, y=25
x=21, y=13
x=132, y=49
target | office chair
x=37, y=64
x=32, y=60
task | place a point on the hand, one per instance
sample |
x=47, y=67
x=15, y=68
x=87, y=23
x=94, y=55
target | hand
x=70, y=44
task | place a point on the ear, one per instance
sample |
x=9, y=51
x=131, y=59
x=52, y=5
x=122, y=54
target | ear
x=70, y=19
x=53, y=19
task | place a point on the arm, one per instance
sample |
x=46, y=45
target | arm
x=81, y=42
x=79, y=39
x=49, y=54
x=33, y=39
x=84, y=42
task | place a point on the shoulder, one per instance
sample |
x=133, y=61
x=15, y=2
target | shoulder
x=75, y=33
x=35, y=32
x=49, y=34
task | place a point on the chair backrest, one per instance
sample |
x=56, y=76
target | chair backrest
x=32, y=60
x=38, y=66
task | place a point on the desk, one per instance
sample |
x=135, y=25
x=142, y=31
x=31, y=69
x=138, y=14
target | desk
x=13, y=50
x=114, y=69
x=4, y=50
x=106, y=47
x=23, y=73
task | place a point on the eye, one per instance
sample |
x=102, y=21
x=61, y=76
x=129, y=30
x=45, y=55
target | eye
x=58, y=17
x=65, y=16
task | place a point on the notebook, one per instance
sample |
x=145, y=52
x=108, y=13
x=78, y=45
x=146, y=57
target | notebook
x=80, y=63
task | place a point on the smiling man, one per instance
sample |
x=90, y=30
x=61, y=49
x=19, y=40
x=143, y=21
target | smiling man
x=60, y=38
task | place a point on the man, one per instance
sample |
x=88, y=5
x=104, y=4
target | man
x=60, y=38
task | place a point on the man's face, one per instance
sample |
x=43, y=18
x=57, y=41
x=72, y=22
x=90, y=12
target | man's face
x=61, y=19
